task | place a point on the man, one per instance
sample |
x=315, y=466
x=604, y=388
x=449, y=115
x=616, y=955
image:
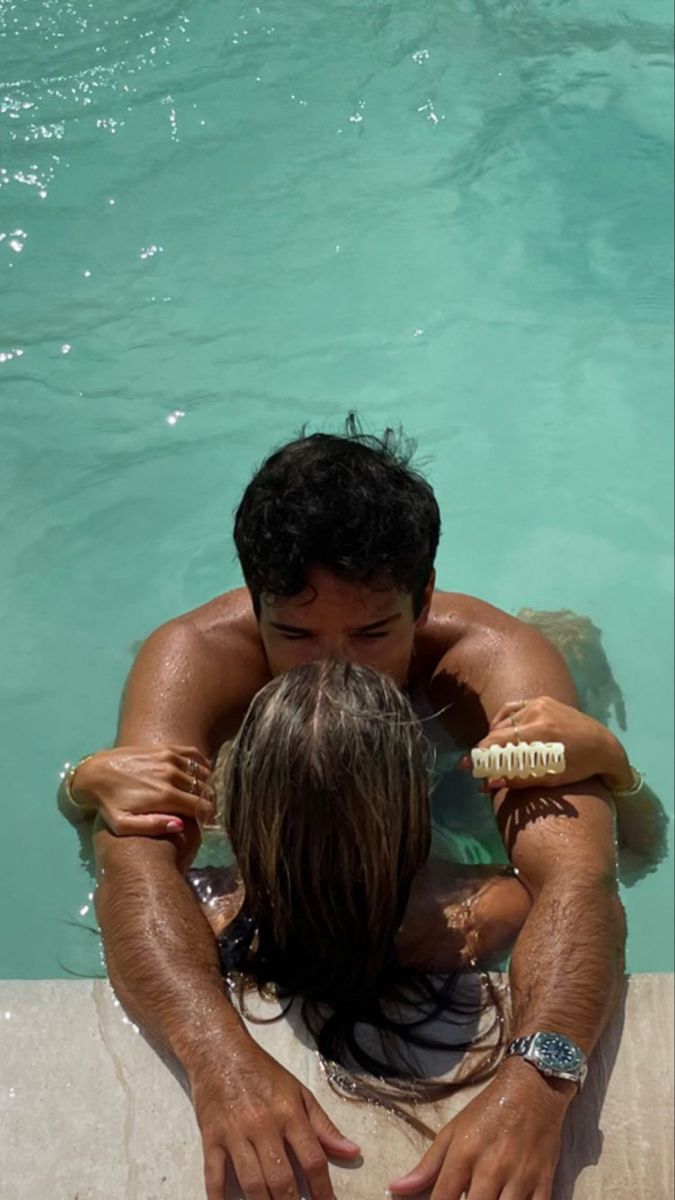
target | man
x=337, y=537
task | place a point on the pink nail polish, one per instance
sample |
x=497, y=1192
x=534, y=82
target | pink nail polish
x=174, y=826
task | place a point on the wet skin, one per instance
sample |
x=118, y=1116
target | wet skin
x=457, y=916
x=190, y=686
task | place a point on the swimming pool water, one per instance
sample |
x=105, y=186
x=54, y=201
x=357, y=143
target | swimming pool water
x=218, y=222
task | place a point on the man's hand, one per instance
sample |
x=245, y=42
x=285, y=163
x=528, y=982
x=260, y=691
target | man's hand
x=146, y=790
x=251, y=1111
x=163, y=965
x=503, y=1146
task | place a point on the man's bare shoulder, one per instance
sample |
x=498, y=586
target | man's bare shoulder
x=468, y=634
x=210, y=660
x=469, y=614
x=227, y=616
x=222, y=636
x=457, y=621
x=457, y=651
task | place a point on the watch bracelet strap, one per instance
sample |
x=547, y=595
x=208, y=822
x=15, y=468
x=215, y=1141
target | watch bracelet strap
x=519, y=1045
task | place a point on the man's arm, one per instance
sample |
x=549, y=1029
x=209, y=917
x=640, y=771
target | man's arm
x=160, y=951
x=161, y=954
x=163, y=962
x=567, y=965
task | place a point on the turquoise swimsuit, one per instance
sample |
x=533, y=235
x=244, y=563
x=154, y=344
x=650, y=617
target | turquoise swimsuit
x=464, y=829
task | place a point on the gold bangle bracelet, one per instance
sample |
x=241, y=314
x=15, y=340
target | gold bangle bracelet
x=635, y=787
x=67, y=775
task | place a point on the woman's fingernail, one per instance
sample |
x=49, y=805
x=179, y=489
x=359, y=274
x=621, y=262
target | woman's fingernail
x=174, y=826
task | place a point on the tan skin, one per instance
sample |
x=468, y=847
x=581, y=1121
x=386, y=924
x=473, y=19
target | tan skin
x=456, y=915
x=187, y=692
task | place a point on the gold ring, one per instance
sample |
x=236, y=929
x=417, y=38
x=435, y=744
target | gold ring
x=512, y=719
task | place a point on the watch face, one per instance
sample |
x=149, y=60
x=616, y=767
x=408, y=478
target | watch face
x=556, y=1052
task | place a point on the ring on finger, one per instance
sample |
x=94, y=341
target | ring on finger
x=512, y=719
x=194, y=786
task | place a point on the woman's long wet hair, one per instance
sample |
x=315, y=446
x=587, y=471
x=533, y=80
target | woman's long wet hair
x=325, y=802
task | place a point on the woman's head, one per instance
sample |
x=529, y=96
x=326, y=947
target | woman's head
x=325, y=802
x=326, y=807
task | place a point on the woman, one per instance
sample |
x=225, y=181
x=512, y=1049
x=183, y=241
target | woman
x=324, y=799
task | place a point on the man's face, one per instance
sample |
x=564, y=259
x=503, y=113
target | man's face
x=332, y=618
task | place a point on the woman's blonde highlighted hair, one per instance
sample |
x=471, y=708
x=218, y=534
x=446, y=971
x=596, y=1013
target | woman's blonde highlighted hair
x=325, y=802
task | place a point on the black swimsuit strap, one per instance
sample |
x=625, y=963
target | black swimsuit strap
x=234, y=943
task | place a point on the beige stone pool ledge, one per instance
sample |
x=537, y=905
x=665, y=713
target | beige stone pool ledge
x=90, y=1112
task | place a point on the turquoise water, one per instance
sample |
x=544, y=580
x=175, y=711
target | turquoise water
x=218, y=222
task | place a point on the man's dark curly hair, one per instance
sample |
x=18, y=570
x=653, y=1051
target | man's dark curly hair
x=351, y=504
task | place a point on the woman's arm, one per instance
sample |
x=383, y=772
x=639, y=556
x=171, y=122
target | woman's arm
x=461, y=915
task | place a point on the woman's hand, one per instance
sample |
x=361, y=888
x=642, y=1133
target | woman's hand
x=590, y=748
x=146, y=790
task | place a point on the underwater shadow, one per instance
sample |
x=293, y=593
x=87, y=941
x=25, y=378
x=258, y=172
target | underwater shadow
x=641, y=821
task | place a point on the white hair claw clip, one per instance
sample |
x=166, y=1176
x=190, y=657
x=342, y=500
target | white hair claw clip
x=521, y=761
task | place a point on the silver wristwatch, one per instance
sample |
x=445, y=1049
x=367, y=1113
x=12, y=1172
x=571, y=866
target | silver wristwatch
x=552, y=1054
